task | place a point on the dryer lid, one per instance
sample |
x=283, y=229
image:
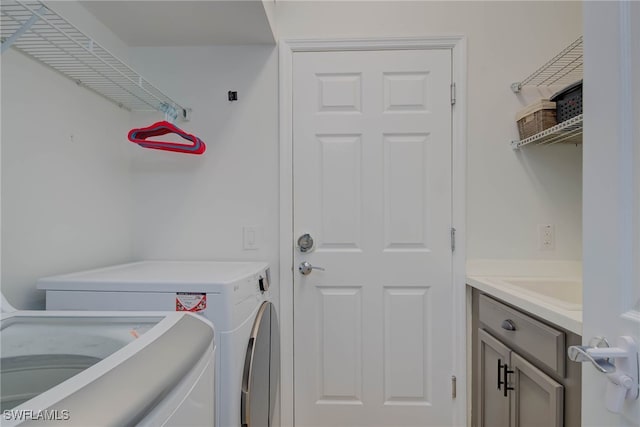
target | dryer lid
x=159, y=276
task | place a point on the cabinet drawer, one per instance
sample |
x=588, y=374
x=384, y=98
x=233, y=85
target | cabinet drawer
x=529, y=335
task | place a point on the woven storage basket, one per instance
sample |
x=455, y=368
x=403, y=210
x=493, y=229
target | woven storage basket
x=536, y=118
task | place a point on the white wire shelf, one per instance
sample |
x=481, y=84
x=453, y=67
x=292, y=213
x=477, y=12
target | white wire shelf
x=564, y=68
x=569, y=132
x=34, y=29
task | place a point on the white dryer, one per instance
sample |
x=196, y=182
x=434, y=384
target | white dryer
x=233, y=295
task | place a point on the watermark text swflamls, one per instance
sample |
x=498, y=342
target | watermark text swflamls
x=31, y=415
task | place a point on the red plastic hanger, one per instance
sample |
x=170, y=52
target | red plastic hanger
x=140, y=135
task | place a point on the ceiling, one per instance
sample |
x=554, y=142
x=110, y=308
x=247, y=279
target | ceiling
x=184, y=23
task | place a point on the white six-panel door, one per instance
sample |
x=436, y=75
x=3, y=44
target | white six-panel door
x=372, y=186
x=611, y=194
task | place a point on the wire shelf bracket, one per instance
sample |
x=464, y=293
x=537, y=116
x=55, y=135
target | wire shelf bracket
x=34, y=29
x=565, y=67
x=569, y=131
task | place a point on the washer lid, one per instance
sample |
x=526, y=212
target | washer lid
x=135, y=377
x=26, y=333
x=158, y=276
x=5, y=306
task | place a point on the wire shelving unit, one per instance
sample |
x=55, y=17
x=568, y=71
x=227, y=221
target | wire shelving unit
x=569, y=131
x=564, y=68
x=34, y=29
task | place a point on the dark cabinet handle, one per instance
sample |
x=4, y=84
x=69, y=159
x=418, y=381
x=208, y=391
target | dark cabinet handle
x=506, y=371
x=499, y=371
x=508, y=325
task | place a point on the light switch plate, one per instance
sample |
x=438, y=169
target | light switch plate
x=251, y=236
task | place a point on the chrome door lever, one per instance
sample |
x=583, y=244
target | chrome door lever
x=580, y=353
x=305, y=268
x=623, y=373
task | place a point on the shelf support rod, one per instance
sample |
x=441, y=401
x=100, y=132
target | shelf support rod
x=170, y=112
x=23, y=29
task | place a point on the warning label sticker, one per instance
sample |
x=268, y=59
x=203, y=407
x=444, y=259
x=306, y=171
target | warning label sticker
x=191, y=301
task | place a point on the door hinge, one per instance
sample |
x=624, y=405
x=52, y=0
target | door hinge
x=453, y=387
x=453, y=239
x=453, y=94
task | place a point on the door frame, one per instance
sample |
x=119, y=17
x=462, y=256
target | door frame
x=458, y=46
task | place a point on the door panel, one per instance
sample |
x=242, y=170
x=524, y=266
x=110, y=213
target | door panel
x=340, y=198
x=340, y=345
x=406, y=337
x=372, y=186
x=406, y=192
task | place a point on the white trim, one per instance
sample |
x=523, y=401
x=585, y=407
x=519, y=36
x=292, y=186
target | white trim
x=459, y=218
x=626, y=122
x=286, y=235
x=628, y=158
x=321, y=45
x=458, y=46
x=634, y=93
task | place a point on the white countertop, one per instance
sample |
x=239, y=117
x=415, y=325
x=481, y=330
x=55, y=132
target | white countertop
x=568, y=319
x=491, y=280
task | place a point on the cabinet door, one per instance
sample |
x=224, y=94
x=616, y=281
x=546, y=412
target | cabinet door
x=537, y=400
x=493, y=406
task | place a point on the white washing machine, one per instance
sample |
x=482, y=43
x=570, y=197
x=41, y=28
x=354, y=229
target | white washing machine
x=87, y=368
x=233, y=295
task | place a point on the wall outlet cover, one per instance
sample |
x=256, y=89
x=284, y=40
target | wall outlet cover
x=546, y=237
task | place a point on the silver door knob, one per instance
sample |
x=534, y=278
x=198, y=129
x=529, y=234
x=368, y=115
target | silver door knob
x=305, y=268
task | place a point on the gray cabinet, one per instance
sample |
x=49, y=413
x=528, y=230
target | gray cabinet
x=520, y=378
x=536, y=399
x=513, y=392
x=493, y=406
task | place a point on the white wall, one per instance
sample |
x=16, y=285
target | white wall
x=83, y=20
x=508, y=193
x=66, y=197
x=194, y=207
